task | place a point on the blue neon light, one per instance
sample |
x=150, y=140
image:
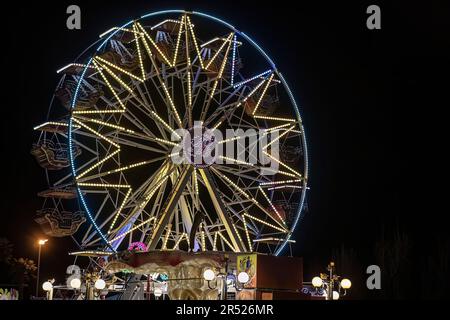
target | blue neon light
x=72, y=163
x=302, y=200
x=252, y=78
x=112, y=34
x=234, y=59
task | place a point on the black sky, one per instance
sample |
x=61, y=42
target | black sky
x=354, y=87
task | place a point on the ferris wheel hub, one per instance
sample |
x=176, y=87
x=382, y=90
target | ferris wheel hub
x=200, y=145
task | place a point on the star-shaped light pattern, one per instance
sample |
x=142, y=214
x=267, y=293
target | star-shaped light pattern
x=157, y=78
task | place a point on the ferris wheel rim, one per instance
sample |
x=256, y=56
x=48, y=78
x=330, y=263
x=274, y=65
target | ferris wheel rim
x=300, y=211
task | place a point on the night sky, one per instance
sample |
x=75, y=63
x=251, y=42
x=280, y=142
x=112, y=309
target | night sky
x=355, y=88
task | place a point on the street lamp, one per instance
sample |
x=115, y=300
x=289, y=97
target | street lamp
x=331, y=284
x=47, y=286
x=243, y=277
x=41, y=242
x=75, y=283
x=100, y=284
x=157, y=292
x=317, y=282
x=209, y=275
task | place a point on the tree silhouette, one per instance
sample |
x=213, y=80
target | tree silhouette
x=18, y=272
x=348, y=265
x=435, y=269
x=393, y=255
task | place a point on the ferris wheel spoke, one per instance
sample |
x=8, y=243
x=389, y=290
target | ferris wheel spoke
x=243, y=167
x=226, y=107
x=108, y=84
x=116, y=78
x=239, y=173
x=146, y=35
x=251, y=93
x=169, y=205
x=104, y=63
x=221, y=209
x=229, y=183
x=155, y=117
x=161, y=94
x=191, y=29
x=106, y=186
x=186, y=212
x=269, y=80
x=120, y=169
x=163, y=85
x=103, y=124
x=255, y=167
x=149, y=107
x=141, y=146
x=177, y=46
x=82, y=145
x=207, y=226
x=273, y=208
x=225, y=41
x=95, y=132
x=283, y=164
x=157, y=204
x=238, y=212
x=219, y=76
x=152, y=185
x=138, y=47
x=188, y=75
x=69, y=176
x=165, y=144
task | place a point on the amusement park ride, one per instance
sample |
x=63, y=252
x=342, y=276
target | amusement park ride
x=151, y=227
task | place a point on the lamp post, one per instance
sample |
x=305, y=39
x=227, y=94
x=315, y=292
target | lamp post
x=331, y=284
x=47, y=286
x=239, y=281
x=40, y=243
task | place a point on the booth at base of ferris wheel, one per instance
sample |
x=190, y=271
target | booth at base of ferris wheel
x=180, y=275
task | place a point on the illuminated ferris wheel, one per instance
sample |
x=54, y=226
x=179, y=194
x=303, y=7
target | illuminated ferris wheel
x=108, y=143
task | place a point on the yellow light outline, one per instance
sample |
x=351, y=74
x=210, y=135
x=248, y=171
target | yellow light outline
x=265, y=223
x=120, y=210
x=112, y=65
x=247, y=234
x=226, y=241
x=218, y=51
x=97, y=164
x=271, y=205
x=96, y=132
x=178, y=41
x=141, y=63
x=154, y=44
x=109, y=85
x=195, y=42
x=263, y=93
x=283, y=164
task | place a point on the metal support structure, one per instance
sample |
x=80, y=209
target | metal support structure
x=221, y=210
x=169, y=206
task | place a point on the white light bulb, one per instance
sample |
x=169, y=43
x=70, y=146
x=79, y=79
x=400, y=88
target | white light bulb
x=75, y=283
x=317, y=282
x=157, y=292
x=346, y=284
x=335, y=295
x=243, y=277
x=209, y=275
x=100, y=284
x=47, y=286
